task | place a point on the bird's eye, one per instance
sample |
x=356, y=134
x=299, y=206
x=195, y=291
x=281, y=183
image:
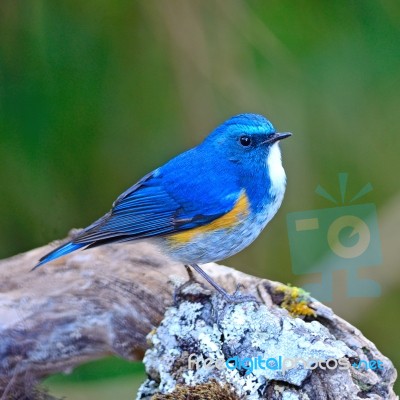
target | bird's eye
x=245, y=141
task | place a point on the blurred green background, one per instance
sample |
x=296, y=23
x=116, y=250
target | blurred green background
x=95, y=94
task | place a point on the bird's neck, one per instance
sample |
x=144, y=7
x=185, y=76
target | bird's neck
x=267, y=184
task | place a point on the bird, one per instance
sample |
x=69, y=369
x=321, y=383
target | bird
x=204, y=205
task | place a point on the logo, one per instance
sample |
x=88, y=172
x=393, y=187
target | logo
x=345, y=237
x=279, y=363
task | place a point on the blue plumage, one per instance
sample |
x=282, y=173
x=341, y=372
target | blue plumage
x=223, y=191
x=59, y=252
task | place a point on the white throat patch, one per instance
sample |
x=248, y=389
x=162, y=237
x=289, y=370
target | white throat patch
x=277, y=174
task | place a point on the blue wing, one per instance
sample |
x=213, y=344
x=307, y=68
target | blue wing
x=178, y=196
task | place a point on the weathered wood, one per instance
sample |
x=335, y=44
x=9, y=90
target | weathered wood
x=316, y=356
x=106, y=301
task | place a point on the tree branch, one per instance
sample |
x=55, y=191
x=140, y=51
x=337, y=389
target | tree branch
x=106, y=301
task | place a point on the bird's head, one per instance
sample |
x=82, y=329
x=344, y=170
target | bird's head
x=246, y=137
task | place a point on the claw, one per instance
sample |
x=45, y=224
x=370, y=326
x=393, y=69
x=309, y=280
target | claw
x=237, y=297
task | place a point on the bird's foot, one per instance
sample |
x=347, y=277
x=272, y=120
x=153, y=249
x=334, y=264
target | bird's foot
x=234, y=298
x=237, y=297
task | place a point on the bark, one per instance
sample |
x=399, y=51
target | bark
x=107, y=300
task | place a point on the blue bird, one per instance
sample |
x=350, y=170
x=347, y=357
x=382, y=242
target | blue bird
x=204, y=205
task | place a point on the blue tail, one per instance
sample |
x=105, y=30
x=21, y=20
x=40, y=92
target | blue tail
x=59, y=252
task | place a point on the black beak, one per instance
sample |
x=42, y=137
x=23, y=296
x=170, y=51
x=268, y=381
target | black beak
x=274, y=137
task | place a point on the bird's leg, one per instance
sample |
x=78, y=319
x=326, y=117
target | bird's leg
x=190, y=273
x=192, y=279
x=230, y=298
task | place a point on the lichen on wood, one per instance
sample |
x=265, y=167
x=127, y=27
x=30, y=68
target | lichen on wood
x=106, y=301
x=260, y=351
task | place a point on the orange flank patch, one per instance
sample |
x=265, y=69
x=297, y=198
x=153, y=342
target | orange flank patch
x=229, y=220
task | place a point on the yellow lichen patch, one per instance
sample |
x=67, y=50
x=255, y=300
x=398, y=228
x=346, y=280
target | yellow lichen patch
x=296, y=301
x=229, y=220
